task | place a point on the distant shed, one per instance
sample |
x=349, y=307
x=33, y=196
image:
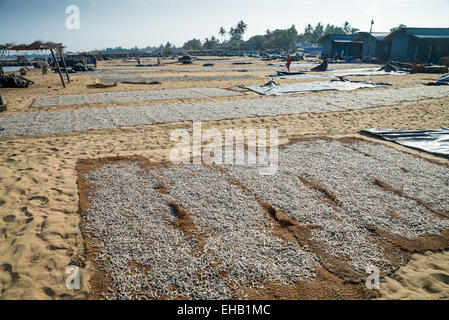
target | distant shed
x=375, y=45
x=421, y=45
x=343, y=45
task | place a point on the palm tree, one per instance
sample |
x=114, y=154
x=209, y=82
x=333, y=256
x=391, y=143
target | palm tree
x=308, y=29
x=347, y=27
x=241, y=27
x=222, y=33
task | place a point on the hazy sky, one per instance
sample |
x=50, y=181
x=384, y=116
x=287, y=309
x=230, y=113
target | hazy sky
x=129, y=23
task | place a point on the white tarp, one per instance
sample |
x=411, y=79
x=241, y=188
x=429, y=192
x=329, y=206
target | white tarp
x=272, y=89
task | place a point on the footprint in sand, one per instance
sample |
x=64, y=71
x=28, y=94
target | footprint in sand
x=441, y=277
x=9, y=218
x=41, y=199
x=14, y=276
x=26, y=212
x=49, y=292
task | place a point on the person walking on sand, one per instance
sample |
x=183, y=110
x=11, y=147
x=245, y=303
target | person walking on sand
x=289, y=62
x=45, y=67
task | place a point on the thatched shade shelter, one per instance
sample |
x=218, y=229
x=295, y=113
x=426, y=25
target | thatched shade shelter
x=40, y=46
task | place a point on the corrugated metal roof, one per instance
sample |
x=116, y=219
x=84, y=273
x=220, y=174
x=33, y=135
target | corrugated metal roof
x=421, y=36
x=346, y=41
x=334, y=37
x=379, y=36
x=423, y=32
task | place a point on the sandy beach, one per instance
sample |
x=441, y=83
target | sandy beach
x=40, y=211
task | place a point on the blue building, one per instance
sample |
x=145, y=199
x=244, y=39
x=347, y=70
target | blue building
x=420, y=45
x=341, y=45
x=374, y=45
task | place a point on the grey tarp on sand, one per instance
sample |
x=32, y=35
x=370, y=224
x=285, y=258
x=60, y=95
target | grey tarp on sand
x=431, y=141
x=443, y=80
x=283, y=89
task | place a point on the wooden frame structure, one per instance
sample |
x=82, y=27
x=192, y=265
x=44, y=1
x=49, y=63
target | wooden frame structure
x=41, y=46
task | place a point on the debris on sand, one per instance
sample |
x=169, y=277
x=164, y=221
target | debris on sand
x=442, y=81
x=411, y=68
x=142, y=82
x=23, y=71
x=322, y=67
x=80, y=67
x=186, y=59
x=380, y=84
x=102, y=86
x=13, y=81
x=270, y=84
x=396, y=67
x=431, y=69
x=284, y=73
x=444, y=62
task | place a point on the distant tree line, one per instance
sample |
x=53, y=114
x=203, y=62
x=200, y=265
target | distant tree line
x=272, y=39
x=232, y=40
x=399, y=27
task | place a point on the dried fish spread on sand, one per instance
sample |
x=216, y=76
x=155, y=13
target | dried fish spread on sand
x=132, y=224
x=174, y=79
x=207, y=235
x=342, y=236
x=349, y=175
x=110, y=118
x=133, y=96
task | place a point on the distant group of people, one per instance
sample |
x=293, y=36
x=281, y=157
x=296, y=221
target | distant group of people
x=88, y=60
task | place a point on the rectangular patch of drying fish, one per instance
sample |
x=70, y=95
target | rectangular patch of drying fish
x=132, y=96
x=160, y=231
x=54, y=122
x=144, y=80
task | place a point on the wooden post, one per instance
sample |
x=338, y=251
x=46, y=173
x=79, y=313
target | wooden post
x=416, y=56
x=64, y=65
x=57, y=66
x=369, y=39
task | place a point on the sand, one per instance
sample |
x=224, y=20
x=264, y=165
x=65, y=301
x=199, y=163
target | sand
x=39, y=205
x=425, y=277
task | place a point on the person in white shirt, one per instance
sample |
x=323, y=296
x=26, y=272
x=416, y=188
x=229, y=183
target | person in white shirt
x=45, y=67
